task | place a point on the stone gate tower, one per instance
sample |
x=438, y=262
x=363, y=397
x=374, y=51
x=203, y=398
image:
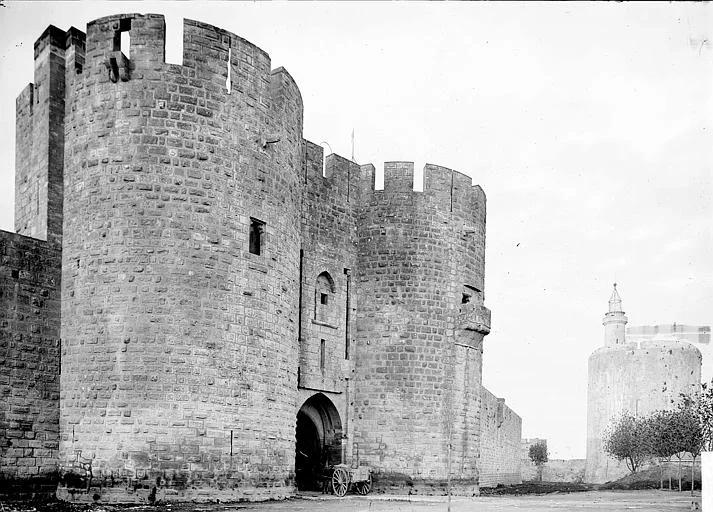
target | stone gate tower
x=180, y=260
x=238, y=310
x=634, y=377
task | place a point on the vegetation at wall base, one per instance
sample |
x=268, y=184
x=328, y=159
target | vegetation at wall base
x=687, y=429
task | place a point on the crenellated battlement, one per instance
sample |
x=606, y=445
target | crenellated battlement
x=204, y=44
x=207, y=49
x=25, y=100
x=227, y=62
x=398, y=176
x=283, y=87
x=104, y=51
x=441, y=185
x=334, y=174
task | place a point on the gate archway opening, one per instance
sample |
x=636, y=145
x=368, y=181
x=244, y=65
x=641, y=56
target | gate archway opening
x=319, y=442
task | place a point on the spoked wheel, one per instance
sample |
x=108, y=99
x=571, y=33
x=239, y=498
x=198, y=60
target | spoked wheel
x=364, y=487
x=340, y=481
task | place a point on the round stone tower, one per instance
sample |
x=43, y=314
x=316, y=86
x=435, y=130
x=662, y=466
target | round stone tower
x=638, y=378
x=420, y=328
x=180, y=267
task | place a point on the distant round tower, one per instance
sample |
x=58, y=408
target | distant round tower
x=180, y=266
x=635, y=377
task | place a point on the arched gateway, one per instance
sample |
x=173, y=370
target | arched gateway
x=319, y=441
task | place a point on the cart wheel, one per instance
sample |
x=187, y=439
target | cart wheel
x=364, y=487
x=340, y=481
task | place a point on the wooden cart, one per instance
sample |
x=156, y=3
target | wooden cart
x=344, y=477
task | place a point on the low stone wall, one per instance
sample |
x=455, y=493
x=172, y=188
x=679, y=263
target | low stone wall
x=555, y=470
x=500, y=435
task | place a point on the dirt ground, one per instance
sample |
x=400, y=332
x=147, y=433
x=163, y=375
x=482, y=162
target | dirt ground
x=599, y=501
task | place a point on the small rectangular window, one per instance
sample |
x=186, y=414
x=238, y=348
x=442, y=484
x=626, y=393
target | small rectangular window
x=257, y=229
x=322, y=355
x=324, y=298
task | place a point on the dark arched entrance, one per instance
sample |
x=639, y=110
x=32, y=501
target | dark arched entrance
x=319, y=441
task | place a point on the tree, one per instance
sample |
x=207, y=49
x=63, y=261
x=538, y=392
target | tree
x=538, y=455
x=628, y=439
x=697, y=424
x=702, y=405
x=664, y=441
x=691, y=435
x=676, y=432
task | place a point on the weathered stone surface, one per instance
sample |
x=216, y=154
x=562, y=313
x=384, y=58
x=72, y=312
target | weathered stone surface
x=29, y=364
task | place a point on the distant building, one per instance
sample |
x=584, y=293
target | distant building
x=635, y=375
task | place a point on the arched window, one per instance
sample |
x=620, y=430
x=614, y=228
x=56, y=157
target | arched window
x=324, y=306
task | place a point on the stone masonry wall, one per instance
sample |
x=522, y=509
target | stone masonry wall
x=29, y=365
x=179, y=357
x=555, y=470
x=500, y=439
x=329, y=246
x=418, y=354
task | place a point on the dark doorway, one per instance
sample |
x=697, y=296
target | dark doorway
x=308, y=454
x=319, y=442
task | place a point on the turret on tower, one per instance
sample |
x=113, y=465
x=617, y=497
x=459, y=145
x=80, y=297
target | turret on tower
x=39, y=143
x=614, y=321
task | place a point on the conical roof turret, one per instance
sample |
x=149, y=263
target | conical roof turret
x=615, y=301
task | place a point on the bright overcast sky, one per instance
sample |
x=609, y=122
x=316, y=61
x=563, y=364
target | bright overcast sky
x=588, y=126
